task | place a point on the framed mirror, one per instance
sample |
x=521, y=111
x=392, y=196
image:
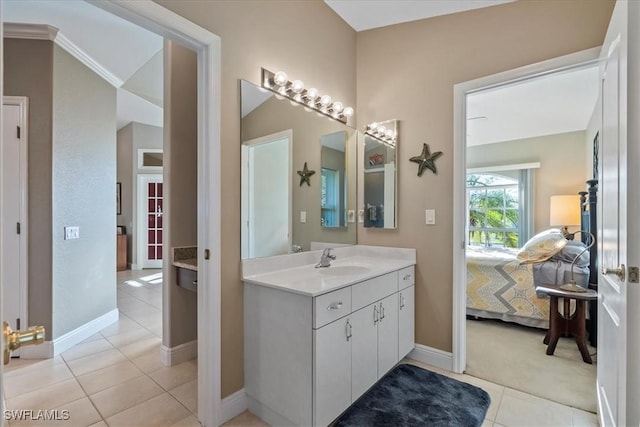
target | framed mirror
x=280, y=214
x=380, y=175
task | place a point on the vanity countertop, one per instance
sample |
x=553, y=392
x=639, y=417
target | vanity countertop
x=295, y=273
x=185, y=257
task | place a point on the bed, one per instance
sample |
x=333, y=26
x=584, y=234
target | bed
x=499, y=286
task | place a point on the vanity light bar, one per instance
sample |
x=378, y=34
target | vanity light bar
x=310, y=98
x=388, y=136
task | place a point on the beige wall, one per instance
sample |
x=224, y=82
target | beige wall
x=561, y=157
x=308, y=41
x=28, y=71
x=423, y=61
x=180, y=182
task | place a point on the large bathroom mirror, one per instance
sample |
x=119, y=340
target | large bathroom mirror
x=380, y=176
x=281, y=213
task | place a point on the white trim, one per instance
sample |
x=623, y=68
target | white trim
x=500, y=168
x=72, y=49
x=233, y=405
x=23, y=103
x=13, y=30
x=460, y=91
x=156, y=18
x=170, y=356
x=50, y=349
x=432, y=356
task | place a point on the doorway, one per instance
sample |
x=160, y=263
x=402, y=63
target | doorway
x=150, y=221
x=207, y=45
x=506, y=182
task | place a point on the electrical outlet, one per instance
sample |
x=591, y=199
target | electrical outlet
x=71, y=233
x=303, y=216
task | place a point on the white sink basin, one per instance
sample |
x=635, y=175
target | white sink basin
x=343, y=270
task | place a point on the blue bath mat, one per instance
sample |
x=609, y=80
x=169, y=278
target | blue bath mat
x=412, y=396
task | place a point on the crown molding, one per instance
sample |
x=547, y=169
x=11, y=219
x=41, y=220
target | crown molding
x=13, y=30
x=47, y=32
x=82, y=56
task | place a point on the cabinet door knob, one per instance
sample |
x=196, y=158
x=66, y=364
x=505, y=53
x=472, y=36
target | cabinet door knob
x=406, y=277
x=375, y=314
x=348, y=330
x=401, y=301
x=335, y=306
x=381, y=312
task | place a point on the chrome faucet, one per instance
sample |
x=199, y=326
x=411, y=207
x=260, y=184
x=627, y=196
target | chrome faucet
x=325, y=260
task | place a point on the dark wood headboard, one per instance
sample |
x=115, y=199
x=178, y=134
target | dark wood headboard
x=588, y=209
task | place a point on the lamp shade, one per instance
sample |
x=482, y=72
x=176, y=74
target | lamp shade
x=564, y=210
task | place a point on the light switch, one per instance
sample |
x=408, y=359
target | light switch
x=360, y=215
x=430, y=216
x=351, y=215
x=303, y=216
x=71, y=233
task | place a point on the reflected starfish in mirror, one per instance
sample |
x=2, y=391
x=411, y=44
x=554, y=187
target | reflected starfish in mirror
x=426, y=160
x=305, y=174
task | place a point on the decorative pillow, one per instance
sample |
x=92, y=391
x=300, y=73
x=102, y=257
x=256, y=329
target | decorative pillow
x=571, y=251
x=542, y=246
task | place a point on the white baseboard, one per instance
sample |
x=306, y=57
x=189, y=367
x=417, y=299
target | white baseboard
x=171, y=356
x=432, y=356
x=233, y=405
x=50, y=349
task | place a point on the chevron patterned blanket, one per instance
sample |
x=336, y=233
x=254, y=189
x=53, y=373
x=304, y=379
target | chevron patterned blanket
x=499, y=287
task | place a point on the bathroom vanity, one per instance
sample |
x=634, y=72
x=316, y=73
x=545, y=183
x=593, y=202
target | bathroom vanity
x=317, y=338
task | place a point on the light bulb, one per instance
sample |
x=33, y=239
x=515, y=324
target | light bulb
x=280, y=78
x=337, y=106
x=297, y=86
x=381, y=130
x=389, y=133
x=325, y=100
x=312, y=93
x=373, y=126
x=348, y=112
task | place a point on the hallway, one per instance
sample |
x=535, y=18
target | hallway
x=114, y=377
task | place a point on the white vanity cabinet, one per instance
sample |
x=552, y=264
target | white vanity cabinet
x=355, y=335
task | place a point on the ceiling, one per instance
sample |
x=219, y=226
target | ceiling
x=554, y=104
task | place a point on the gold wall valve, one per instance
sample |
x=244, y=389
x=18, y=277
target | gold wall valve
x=15, y=340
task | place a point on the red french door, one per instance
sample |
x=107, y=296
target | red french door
x=151, y=220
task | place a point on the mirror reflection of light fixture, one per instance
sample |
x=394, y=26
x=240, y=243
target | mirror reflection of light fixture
x=564, y=211
x=310, y=98
x=381, y=133
x=572, y=286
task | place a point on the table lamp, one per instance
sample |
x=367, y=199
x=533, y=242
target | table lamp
x=564, y=211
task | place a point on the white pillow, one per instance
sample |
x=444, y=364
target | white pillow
x=542, y=246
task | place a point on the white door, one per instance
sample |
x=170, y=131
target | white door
x=388, y=334
x=14, y=211
x=364, y=349
x=406, y=323
x=332, y=371
x=267, y=190
x=614, y=227
x=150, y=221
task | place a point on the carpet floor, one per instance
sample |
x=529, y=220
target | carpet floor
x=515, y=356
x=412, y=396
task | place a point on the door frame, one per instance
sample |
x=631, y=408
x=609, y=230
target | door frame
x=460, y=92
x=245, y=147
x=207, y=46
x=22, y=102
x=141, y=219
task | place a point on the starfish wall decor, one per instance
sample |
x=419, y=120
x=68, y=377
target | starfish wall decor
x=305, y=174
x=426, y=160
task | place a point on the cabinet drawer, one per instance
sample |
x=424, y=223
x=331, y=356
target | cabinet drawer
x=406, y=277
x=331, y=306
x=372, y=290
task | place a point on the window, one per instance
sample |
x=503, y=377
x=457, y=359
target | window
x=500, y=206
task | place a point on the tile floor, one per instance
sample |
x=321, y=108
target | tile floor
x=115, y=378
